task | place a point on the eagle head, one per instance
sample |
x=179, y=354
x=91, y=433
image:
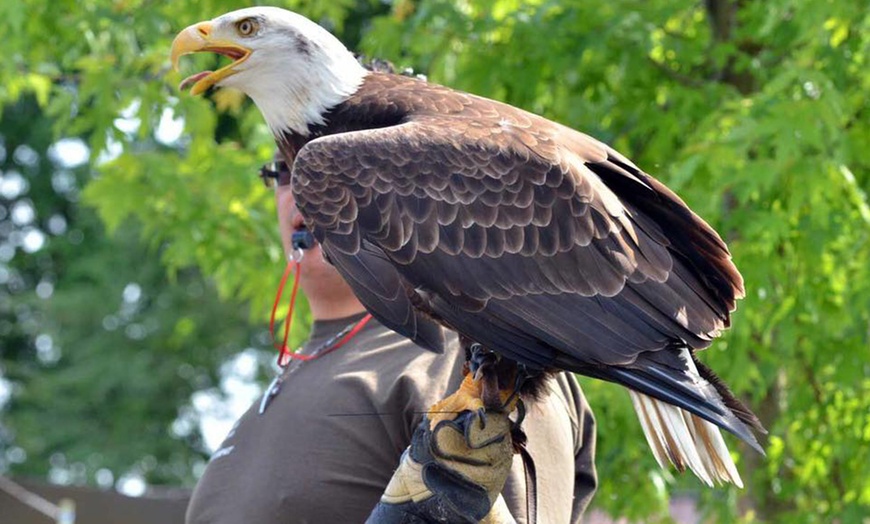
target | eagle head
x=293, y=69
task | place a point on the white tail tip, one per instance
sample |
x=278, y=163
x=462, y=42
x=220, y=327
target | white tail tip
x=685, y=440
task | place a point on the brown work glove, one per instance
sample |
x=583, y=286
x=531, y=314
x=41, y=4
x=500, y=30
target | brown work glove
x=453, y=473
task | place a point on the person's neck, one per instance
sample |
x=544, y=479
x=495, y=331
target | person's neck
x=338, y=307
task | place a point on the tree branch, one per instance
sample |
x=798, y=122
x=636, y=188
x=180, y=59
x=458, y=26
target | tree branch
x=722, y=15
x=686, y=80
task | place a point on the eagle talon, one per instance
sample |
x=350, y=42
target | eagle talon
x=481, y=415
x=480, y=359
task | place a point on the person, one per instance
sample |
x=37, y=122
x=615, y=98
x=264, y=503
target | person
x=325, y=440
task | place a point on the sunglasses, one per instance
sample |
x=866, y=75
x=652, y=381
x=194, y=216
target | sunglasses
x=275, y=173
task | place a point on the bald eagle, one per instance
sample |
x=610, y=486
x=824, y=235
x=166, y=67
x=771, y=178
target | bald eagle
x=529, y=238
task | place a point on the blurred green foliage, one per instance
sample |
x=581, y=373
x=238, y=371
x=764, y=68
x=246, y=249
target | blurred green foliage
x=756, y=113
x=100, y=350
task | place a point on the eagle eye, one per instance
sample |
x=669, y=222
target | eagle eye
x=247, y=26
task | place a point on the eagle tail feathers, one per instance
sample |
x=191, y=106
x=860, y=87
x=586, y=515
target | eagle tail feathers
x=731, y=401
x=697, y=396
x=685, y=440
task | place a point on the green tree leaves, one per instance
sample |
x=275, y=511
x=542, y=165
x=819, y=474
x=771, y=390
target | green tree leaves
x=755, y=112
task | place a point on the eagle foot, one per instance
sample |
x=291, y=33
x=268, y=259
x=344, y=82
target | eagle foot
x=478, y=392
x=466, y=398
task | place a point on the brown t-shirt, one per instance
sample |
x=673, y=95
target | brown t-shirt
x=328, y=442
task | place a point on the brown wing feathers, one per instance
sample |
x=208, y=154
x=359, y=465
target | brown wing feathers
x=531, y=238
x=538, y=218
x=690, y=236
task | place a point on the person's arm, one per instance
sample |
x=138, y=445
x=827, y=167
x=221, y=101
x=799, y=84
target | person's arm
x=585, y=475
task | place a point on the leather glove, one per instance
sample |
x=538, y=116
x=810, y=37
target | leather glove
x=453, y=473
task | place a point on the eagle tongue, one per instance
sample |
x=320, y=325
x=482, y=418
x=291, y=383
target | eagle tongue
x=192, y=79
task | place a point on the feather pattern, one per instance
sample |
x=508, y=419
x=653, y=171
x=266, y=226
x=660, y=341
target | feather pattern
x=532, y=239
x=685, y=440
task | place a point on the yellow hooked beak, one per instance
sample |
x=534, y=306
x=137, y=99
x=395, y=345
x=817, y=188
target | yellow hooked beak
x=197, y=39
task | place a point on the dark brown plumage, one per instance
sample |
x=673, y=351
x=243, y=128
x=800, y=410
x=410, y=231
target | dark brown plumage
x=533, y=239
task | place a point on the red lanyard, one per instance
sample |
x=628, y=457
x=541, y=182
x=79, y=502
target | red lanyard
x=285, y=355
x=284, y=352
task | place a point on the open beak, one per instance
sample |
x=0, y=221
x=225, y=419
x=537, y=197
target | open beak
x=197, y=39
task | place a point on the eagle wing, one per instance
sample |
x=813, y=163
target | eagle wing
x=533, y=239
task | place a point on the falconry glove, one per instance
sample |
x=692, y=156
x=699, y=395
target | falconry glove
x=452, y=473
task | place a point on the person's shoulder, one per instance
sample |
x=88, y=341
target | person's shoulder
x=379, y=343
x=394, y=366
